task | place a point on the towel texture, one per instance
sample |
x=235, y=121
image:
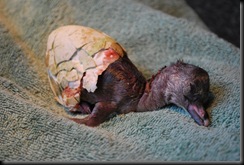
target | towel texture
x=154, y=33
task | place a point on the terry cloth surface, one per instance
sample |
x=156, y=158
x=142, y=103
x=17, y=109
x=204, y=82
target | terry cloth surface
x=154, y=33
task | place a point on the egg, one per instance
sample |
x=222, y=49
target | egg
x=76, y=53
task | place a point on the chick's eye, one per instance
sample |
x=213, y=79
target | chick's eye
x=195, y=98
x=207, y=97
x=187, y=98
x=192, y=98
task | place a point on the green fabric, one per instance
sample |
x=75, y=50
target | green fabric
x=33, y=126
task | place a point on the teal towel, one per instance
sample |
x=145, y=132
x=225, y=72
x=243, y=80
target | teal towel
x=154, y=33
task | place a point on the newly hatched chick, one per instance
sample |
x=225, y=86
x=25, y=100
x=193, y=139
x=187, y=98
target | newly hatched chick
x=90, y=73
x=122, y=89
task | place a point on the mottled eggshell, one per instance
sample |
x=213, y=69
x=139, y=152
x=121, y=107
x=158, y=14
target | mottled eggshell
x=75, y=53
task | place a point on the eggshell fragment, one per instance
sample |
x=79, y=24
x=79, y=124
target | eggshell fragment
x=76, y=53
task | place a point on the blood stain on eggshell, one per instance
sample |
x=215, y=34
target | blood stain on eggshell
x=73, y=50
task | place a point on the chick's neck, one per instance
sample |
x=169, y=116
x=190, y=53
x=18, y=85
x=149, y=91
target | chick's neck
x=153, y=96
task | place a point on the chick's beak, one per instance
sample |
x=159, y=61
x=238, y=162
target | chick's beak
x=199, y=114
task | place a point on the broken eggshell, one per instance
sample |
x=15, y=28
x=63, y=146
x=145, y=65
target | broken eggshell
x=74, y=53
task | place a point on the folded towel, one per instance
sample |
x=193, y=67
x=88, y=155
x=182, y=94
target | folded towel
x=34, y=126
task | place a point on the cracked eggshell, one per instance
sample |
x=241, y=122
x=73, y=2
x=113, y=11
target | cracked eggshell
x=72, y=51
